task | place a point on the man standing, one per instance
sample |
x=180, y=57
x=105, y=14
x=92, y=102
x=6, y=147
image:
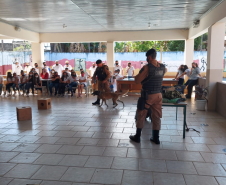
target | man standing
x=58, y=68
x=92, y=69
x=46, y=67
x=17, y=69
x=150, y=76
x=27, y=68
x=130, y=70
x=36, y=68
x=193, y=78
x=67, y=66
x=118, y=67
x=103, y=74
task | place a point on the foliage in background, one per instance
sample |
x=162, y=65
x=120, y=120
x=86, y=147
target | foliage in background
x=136, y=46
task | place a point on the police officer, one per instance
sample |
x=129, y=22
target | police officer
x=150, y=76
x=103, y=74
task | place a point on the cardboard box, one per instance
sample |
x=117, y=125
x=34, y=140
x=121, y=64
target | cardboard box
x=44, y=103
x=23, y=113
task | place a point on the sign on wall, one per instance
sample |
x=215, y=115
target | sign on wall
x=80, y=63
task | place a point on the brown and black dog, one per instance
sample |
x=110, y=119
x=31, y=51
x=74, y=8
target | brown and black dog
x=106, y=96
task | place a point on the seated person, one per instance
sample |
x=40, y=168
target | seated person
x=44, y=75
x=37, y=81
x=23, y=82
x=85, y=73
x=9, y=83
x=1, y=84
x=82, y=83
x=193, y=79
x=15, y=81
x=51, y=73
x=116, y=77
x=72, y=80
x=67, y=71
x=55, y=83
x=30, y=83
x=179, y=75
x=63, y=83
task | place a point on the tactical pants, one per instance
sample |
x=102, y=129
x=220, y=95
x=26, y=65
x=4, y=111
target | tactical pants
x=103, y=86
x=155, y=103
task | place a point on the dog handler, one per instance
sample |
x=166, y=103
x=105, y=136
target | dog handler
x=150, y=76
x=103, y=74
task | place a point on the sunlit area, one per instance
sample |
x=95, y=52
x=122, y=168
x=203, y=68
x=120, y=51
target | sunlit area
x=112, y=92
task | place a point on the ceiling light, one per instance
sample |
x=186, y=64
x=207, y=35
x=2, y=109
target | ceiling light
x=12, y=19
x=64, y=26
x=149, y=25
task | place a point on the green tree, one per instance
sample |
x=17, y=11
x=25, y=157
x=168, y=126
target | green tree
x=176, y=45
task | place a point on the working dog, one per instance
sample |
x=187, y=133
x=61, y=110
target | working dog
x=106, y=96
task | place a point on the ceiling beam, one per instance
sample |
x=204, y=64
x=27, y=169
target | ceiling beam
x=177, y=34
x=218, y=14
x=9, y=31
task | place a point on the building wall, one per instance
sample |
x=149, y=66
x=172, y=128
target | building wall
x=172, y=60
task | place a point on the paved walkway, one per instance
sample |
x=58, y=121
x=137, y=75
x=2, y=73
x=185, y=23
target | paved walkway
x=76, y=143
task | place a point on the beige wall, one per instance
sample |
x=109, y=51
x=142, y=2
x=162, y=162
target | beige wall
x=9, y=31
x=176, y=34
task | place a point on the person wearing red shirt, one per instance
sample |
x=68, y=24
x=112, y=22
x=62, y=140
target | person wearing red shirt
x=44, y=75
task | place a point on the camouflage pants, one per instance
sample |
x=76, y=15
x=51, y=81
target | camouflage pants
x=155, y=103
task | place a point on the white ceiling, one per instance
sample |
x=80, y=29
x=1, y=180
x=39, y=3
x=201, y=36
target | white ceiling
x=102, y=15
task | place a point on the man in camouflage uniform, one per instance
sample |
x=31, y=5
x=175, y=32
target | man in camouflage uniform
x=103, y=74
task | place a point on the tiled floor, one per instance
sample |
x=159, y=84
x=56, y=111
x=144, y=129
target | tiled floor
x=75, y=143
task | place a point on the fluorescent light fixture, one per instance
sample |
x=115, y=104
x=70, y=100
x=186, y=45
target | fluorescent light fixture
x=37, y=19
x=13, y=19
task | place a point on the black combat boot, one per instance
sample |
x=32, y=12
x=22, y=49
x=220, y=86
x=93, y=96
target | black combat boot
x=97, y=102
x=155, y=137
x=136, y=137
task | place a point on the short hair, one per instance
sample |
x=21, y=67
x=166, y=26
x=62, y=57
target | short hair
x=82, y=72
x=152, y=53
x=43, y=62
x=129, y=62
x=36, y=63
x=81, y=69
x=195, y=64
x=98, y=61
x=116, y=61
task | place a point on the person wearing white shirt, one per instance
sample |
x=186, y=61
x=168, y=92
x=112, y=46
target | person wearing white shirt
x=92, y=69
x=36, y=68
x=115, y=78
x=72, y=80
x=1, y=84
x=130, y=70
x=67, y=66
x=85, y=73
x=27, y=68
x=118, y=67
x=82, y=83
x=46, y=67
x=17, y=69
x=67, y=71
x=58, y=68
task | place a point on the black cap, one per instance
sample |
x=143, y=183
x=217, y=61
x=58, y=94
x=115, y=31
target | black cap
x=150, y=52
x=98, y=61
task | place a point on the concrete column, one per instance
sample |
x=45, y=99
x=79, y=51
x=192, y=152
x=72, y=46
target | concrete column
x=37, y=54
x=189, y=52
x=215, y=55
x=110, y=55
x=188, y=55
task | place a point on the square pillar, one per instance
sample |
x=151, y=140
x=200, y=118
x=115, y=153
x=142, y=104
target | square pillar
x=37, y=54
x=215, y=55
x=188, y=54
x=110, y=55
